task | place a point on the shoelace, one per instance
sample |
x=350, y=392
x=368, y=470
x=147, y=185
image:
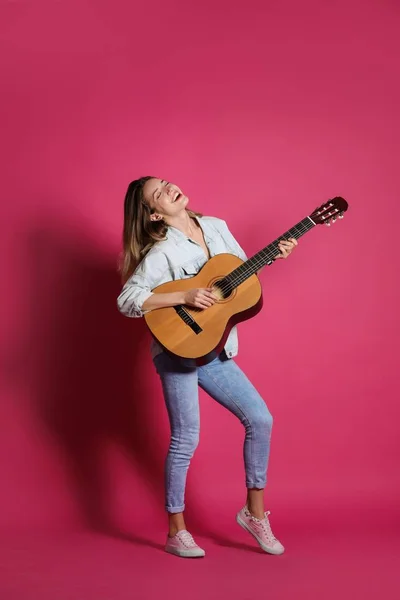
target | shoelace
x=267, y=527
x=186, y=538
x=265, y=524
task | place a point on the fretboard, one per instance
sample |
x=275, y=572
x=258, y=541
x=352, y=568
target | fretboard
x=267, y=255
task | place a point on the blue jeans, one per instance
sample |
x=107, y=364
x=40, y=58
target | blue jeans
x=224, y=381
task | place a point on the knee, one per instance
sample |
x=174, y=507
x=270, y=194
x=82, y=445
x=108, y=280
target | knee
x=192, y=441
x=262, y=422
x=186, y=442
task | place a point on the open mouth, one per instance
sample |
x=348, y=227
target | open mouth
x=177, y=196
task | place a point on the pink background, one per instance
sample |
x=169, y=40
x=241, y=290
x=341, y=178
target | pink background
x=260, y=111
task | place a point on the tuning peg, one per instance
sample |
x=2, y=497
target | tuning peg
x=328, y=223
x=341, y=215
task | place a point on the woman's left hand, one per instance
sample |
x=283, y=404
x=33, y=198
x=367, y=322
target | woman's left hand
x=286, y=247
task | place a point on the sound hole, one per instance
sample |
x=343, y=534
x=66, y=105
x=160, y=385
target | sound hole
x=225, y=287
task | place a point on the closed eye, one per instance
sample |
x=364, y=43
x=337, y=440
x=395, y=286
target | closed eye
x=159, y=191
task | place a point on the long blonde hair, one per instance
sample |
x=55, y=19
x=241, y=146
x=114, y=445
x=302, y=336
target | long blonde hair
x=140, y=233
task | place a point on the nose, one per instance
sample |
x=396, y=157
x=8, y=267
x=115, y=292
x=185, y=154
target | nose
x=171, y=190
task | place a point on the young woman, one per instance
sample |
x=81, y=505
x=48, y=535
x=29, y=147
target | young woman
x=163, y=240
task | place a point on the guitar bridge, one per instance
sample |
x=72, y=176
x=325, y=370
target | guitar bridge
x=188, y=319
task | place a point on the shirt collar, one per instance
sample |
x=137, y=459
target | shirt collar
x=177, y=234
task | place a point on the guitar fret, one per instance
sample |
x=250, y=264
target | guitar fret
x=265, y=256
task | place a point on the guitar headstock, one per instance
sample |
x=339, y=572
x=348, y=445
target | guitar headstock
x=330, y=211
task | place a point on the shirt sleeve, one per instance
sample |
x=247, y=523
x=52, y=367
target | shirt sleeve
x=148, y=274
x=231, y=242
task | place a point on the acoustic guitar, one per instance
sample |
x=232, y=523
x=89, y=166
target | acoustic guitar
x=200, y=334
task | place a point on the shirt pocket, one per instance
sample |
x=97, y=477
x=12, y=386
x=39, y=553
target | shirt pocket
x=189, y=269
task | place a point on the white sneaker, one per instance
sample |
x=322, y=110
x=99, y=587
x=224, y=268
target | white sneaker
x=260, y=529
x=183, y=544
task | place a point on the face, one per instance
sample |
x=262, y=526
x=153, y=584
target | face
x=165, y=198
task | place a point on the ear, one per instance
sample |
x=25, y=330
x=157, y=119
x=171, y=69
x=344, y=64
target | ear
x=155, y=217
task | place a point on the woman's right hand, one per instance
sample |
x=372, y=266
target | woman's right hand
x=200, y=297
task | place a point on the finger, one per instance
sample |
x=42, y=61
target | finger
x=210, y=295
x=207, y=301
x=202, y=305
x=205, y=305
x=289, y=243
x=289, y=248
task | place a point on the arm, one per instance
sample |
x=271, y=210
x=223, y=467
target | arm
x=136, y=297
x=163, y=300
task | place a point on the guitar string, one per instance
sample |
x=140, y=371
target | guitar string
x=301, y=228
x=228, y=286
x=238, y=279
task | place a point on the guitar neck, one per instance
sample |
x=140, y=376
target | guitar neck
x=268, y=254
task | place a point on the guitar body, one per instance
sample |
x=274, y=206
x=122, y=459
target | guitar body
x=200, y=334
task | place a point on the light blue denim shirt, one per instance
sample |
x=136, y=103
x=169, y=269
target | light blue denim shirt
x=178, y=257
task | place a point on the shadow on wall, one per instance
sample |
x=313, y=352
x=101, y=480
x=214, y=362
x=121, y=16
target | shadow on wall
x=88, y=365
x=88, y=378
